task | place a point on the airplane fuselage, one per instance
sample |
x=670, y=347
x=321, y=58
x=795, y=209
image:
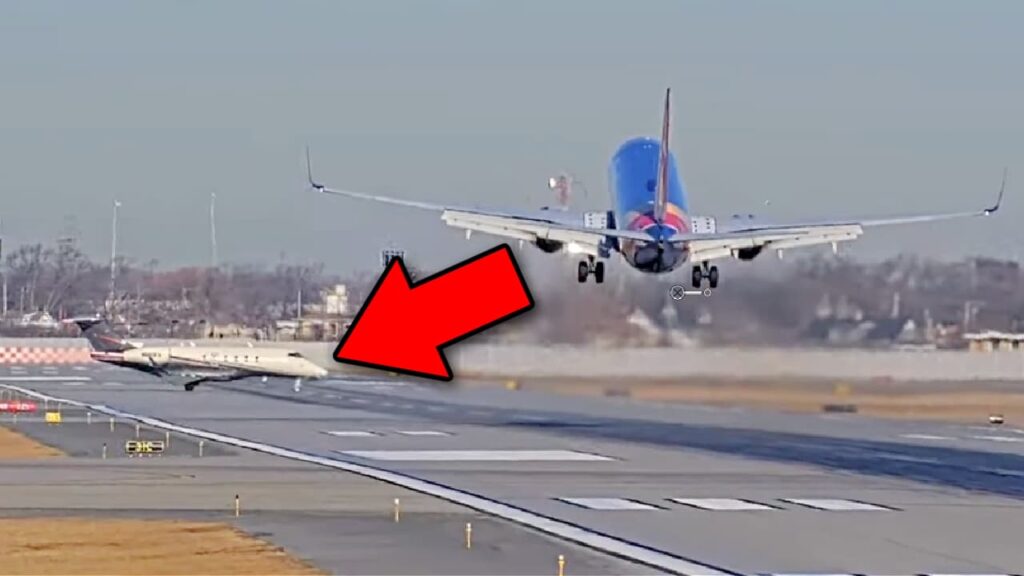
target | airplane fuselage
x=633, y=181
x=214, y=361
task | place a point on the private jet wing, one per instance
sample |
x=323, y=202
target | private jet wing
x=754, y=236
x=555, y=226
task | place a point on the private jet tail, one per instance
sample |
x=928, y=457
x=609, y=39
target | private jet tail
x=100, y=338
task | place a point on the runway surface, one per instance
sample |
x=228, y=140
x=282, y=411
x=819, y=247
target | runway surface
x=740, y=491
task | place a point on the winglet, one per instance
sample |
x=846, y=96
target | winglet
x=661, y=197
x=309, y=174
x=999, y=199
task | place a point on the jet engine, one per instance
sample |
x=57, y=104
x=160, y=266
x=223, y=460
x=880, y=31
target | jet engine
x=749, y=253
x=549, y=246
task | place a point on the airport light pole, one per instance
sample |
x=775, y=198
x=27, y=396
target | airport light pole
x=3, y=272
x=213, y=230
x=113, y=253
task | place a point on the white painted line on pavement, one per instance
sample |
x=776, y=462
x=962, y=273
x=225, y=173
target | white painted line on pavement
x=423, y=433
x=722, y=504
x=999, y=438
x=476, y=455
x=571, y=532
x=45, y=378
x=350, y=433
x=925, y=437
x=837, y=504
x=905, y=458
x=608, y=504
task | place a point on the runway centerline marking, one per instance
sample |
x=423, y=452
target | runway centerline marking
x=476, y=455
x=926, y=437
x=837, y=505
x=350, y=433
x=722, y=504
x=423, y=433
x=999, y=438
x=622, y=548
x=608, y=504
x=45, y=378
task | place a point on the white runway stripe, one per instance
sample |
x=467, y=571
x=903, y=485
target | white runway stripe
x=475, y=455
x=350, y=433
x=836, y=504
x=423, y=433
x=608, y=504
x=722, y=504
x=999, y=438
x=44, y=378
x=926, y=437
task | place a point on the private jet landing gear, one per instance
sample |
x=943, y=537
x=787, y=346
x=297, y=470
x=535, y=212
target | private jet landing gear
x=704, y=271
x=586, y=267
x=297, y=387
x=191, y=386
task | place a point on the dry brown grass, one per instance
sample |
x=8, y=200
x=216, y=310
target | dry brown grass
x=14, y=445
x=967, y=403
x=128, y=546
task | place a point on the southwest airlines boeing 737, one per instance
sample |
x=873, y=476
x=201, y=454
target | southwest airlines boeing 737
x=650, y=225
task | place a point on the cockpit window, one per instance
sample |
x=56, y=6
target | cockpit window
x=295, y=355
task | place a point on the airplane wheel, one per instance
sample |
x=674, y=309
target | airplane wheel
x=190, y=387
x=599, y=272
x=582, y=271
x=696, y=277
x=713, y=277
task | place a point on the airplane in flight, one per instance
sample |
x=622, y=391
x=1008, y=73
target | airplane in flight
x=190, y=366
x=650, y=224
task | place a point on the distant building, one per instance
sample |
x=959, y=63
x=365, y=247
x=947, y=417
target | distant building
x=992, y=341
x=41, y=319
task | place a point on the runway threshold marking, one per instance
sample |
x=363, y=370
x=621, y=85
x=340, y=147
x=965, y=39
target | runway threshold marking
x=566, y=530
x=722, y=504
x=837, y=505
x=476, y=455
x=608, y=504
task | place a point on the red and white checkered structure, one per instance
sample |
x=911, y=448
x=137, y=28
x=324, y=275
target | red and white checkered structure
x=44, y=355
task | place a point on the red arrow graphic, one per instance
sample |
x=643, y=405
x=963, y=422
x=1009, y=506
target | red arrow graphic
x=403, y=326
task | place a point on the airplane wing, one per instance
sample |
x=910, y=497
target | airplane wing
x=756, y=236
x=557, y=226
x=570, y=228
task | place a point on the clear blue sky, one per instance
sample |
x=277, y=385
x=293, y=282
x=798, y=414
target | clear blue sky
x=824, y=108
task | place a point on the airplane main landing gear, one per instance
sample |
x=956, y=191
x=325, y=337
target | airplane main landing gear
x=191, y=386
x=588, y=267
x=704, y=271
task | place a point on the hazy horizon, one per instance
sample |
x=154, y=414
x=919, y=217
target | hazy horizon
x=823, y=109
